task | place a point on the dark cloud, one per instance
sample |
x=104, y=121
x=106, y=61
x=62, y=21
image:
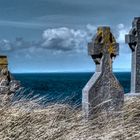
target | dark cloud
x=63, y=13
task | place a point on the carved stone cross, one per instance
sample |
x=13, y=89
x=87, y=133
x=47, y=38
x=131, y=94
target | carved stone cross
x=133, y=40
x=103, y=92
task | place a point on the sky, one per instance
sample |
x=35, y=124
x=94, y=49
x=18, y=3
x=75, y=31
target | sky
x=52, y=35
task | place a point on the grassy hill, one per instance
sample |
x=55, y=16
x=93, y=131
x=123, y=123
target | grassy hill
x=29, y=121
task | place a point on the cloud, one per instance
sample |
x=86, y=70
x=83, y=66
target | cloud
x=63, y=39
x=120, y=31
x=18, y=45
x=5, y=45
x=64, y=46
x=56, y=40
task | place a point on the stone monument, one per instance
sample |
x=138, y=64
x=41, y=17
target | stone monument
x=133, y=40
x=103, y=92
x=8, y=85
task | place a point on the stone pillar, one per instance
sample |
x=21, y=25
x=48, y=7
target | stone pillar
x=8, y=85
x=133, y=40
x=103, y=92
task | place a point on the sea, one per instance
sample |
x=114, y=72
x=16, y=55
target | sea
x=60, y=87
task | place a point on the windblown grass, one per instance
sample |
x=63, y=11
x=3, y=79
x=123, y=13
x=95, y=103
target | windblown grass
x=26, y=120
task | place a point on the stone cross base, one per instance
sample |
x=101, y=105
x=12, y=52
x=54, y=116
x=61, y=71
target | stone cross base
x=101, y=95
x=132, y=95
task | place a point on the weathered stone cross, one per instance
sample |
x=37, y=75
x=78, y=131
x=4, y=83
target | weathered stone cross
x=103, y=91
x=133, y=40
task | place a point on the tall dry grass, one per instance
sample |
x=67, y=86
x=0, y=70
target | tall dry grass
x=26, y=120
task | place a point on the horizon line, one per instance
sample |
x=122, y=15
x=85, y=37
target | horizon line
x=63, y=72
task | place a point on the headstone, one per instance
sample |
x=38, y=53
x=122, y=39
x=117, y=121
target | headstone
x=103, y=92
x=133, y=40
x=8, y=85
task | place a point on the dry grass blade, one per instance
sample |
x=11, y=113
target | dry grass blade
x=29, y=121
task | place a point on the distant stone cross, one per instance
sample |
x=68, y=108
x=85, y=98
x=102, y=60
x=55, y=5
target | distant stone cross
x=103, y=92
x=133, y=40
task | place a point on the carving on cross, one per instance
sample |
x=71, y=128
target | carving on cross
x=103, y=43
x=131, y=38
x=103, y=47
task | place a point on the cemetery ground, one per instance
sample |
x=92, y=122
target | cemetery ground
x=29, y=121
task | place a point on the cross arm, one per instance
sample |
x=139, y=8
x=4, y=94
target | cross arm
x=130, y=39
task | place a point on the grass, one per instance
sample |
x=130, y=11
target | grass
x=26, y=120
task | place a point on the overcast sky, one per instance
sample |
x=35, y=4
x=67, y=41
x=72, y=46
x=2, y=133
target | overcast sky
x=52, y=35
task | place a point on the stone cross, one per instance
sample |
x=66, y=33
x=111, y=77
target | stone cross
x=8, y=85
x=103, y=92
x=133, y=40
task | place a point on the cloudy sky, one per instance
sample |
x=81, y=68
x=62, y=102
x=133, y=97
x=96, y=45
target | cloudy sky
x=52, y=35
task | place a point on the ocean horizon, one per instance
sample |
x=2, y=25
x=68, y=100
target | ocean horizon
x=61, y=87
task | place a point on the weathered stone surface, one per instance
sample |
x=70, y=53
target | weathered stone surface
x=133, y=40
x=103, y=92
x=8, y=85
